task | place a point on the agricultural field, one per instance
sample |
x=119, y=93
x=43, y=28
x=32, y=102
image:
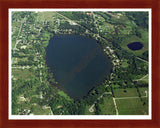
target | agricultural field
x=132, y=106
x=131, y=102
x=129, y=92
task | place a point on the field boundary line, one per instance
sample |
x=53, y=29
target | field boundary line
x=132, y=97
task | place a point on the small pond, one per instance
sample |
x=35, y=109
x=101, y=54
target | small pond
x=135, y=46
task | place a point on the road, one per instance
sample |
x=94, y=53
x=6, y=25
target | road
x=27, y=67
x=141, y=78
x=113, y=15
x=50, y=109
x=23, y=67
x=114, y=101
x=17, y=41
x=41, y=74
x=116, y=108
x=91, y=108
x=142, y=59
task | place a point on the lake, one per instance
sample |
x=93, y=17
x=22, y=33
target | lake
x=135, y=46
x=78, y=63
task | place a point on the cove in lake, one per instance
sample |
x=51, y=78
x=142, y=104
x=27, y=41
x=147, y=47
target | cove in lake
x=135, y=46
x=78, y=63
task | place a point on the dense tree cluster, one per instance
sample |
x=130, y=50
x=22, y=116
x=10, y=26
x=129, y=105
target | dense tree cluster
x=140, y=18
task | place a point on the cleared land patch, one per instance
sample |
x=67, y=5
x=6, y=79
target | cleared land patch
x=87, y=111
x=23, y=74
x=45, y=16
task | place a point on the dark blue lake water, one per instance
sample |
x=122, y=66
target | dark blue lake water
x=135, y=46
x=78, y=63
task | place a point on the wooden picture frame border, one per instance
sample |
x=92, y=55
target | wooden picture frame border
x=6, y=4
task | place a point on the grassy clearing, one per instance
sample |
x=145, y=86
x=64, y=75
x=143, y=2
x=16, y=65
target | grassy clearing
x=13, y=44
x=134, y=38
x=22, y=59
x=87, y=111
x=38, y=110
x=126, y=30
x=144, y=34
x=108, y=24
x=115, y=85
x=132, y=106
x=23, y=74
x=142, y=91
x=124, y=64
x=107, y=107
x=61, y=93
x=108, y=28
x=46, y=16
x=130, y=92
x=35, y=109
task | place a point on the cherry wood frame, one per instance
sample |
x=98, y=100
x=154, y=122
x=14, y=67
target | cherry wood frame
x=6, y=4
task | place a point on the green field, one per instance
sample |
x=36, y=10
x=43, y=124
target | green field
x=107, y=107
x=132, y=106
x=129, y=92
